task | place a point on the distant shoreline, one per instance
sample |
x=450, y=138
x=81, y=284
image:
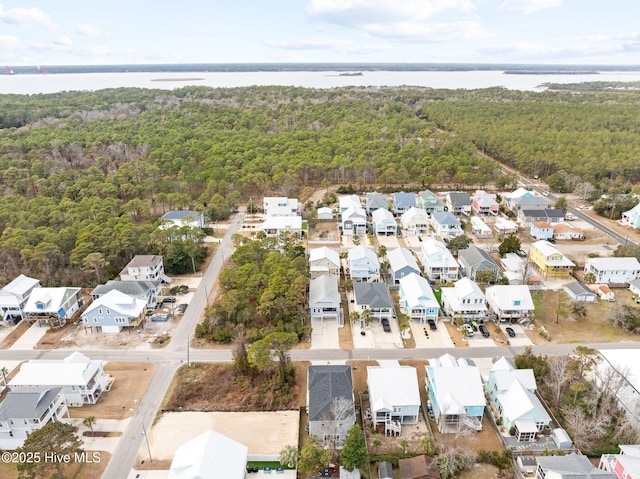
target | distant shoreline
x=178, y=79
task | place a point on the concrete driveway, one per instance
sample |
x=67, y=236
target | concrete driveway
x=521, y=338
x=426, y=338
x=324, y=334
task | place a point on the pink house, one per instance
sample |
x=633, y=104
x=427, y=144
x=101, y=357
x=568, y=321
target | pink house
x=484, y=203
x=625, y=465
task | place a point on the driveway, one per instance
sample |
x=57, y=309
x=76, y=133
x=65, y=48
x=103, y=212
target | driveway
x=426, y=338
x=324, y=334
x=521, y=338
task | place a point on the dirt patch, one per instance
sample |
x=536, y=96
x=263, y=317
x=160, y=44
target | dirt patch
x=130, y=384
x=485, y=471
x=345, y=337
x=14, y=335
x=553, y=312
x=325, y=231
x=102, y=433
x=487, y=439
x=459, y=341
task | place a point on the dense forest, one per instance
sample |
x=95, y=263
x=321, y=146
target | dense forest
x=84, y=176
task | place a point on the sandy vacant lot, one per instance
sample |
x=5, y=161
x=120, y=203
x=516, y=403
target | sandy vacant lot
x=264, y=433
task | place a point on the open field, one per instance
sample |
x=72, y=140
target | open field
x=131, y=382
x=553, y=311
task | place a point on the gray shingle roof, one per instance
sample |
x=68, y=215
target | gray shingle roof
x=132, y=288
x=459, y=198
x=374, y=295
x=474, y=255
x=27, y=402
x=326, y=383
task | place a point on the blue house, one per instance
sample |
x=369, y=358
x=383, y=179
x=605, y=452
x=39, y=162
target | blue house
x=402, y=263
x=456, y=393
x=402, y=201
x=632, y=217
x=114, y=311
x=376, y=200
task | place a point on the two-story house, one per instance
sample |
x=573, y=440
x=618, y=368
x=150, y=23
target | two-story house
x=402, y=263
x=429, y=202
x=445, y=225
x=145, y=267
x=114, y=311
x=613, y=270
x=458, y=203
x=14, y=296
x=146, y=290
x=549, y=261
x=280, y=206
x=417, y=298
x=354, y=221
x=348, y=202
x=82, y=380
x=363, y=264
x=402, y=201
x=384, y=223
x=376, y=200
x=484, y=203
x=415, y=221
x=438, y=262
x=374, y=297
x=474, y=260
x=324, y=299
x=632, y=217
x=464, y=300
x=510, y=302
x=324, y=260
x=52, y=306
x=182, y=218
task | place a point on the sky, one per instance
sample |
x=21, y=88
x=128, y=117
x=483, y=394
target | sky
x=71, y=32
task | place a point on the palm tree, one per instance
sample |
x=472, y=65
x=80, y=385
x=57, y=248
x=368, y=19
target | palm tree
x=404, y=444
x=89, y=421
x=578, y=309
x=4, y=372
x=289, y=456
x=376, y=445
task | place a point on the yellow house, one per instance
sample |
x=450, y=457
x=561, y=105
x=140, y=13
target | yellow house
x=550, y=261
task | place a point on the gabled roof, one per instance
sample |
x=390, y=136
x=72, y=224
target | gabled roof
x=326, y=383
x=421, y=466
x=572, y=466
x=349, y=201
x=76, y=369
x=577, y=288
x=132, y=288
x=417, y=292
x=373, y=295
x=182, y=214
x=316, y=254
x=459, y=198
x=118, y=302
x=510, y=297
x=562, y=227
x=27, y=402
x=414, y=214
x=502, y=364
x=381, y=215
x=615, y=263
x=140, y=260
x=429, y=197
x=465, y=287
x=20, y=285
x=403, y=199
x=473, y=255
x=354, y=212
x=282, y=222
x=456, y=386
x=542, y=225
x=484, y=199
x=505, y=379
x=530, y=200
x=519, y=193
x=51, y=299
x=361, y=253
x=376, y=200
x=324, y=289
x=392, y=386
x=445, y=218
x=402, y=258
x=209, y=455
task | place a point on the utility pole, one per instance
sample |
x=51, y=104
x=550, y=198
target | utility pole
x=144, y=433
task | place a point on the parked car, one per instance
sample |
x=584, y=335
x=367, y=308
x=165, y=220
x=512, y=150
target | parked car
x=521, y=253
x=484, y=331
x=468, y=329
x=169, y=299
x=385, y=325
x=432, y=324
x=182, y=308
x=510, y=332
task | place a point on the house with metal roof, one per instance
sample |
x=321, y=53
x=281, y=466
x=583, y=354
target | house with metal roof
x=402, y=201
x=14, y=296
x=324, y=260
x=528, y=216
x=384, y=223
x=527, y=202
x=479, y=228
x=354, y=221
x=180, y=218
x=571, y=466
x=417, y=299
x=474, y=260
x=52, y=306
x=445, y=225
x=456, y=393
x=324, y=298
x=484, y=203
x=26, y=410
x=363, y=264
x=632, y=217
x=330, y=403
x=578, y=291
x=415, y=221
x=280, y=206
x=349, y=201
x=114, y=311
x=613, y=270
x=401, y=263
x=464, y=300
x=438, y=262
x=82, y=380
x=626, y=464
x=146, y=290
x=429, y=202
x=210, y=454
x=274, y=226
x=549, y=261
x=511, y=302
x=376, y=200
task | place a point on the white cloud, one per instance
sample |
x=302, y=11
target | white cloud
x=339, y=46
x=10, y=43
x=64, y=41
x=88, y=30
x=528, y=6
x=430, y=32
x=26, y=16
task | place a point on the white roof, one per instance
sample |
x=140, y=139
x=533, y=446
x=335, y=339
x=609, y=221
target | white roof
x=466, y=288
x=546, y=248
x=52, y=299
x=357, y=212
x=350, y=201
x=400, y=258
x=118, y=302
x=510, y=297
x=610, y=263
x=519, y=193
x=414, y=214
x=392, y=386
x=20, y=285
x=317, y=254
x=325, y=210
x=456, y=385
x=209, y=455
x=282, y=222
x=417, y=292
x=518, y=401
x=324, y=289
x=505, y=224
x=382, y=216
x=477, y=222
x=505, y=379
x=437, y=253
x=361, y=254
x=76, y=369
x=625, y=360
x=512, y=262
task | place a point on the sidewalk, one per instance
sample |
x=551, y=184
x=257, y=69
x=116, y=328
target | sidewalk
x=29, y=340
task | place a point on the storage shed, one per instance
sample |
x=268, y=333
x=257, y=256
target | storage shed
x=561, y=438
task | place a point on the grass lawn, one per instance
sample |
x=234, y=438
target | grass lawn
x=553, y=312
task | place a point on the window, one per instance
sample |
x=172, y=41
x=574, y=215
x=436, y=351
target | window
x=100, y=311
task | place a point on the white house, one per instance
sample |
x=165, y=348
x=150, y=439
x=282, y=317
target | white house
x=14, y=296
x=146, y=267
x=415, y=221
x=513, y=393
x=401, y=263
x=417, y=298
x=384, y=223
x=82, y=380
x=280, y=206
x=52, y=306
x=114, y=311
x=621, y=368
x=273, y=226
x=445, y=225
x=562, y=231
x=180, y=218
x=603, y=291
x=394, y=397
x=613, y=270
x=363, y=264
x=29, y=409
x=349, y=202
x=354, y=221
x=324, y=260
x=324, y=299
x=374, y=297
x=464, y=300
x=514, y=267
x=632, y=217
x=479, y=228
x=210, y=454
x=505, y=226
x=509, y=302
x=456, y=393
x=438, y=262
x=458, y=202
x=325, y=214
x=634, y=287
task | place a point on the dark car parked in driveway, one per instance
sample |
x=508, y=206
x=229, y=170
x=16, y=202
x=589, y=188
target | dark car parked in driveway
x=432, y=324
x=510, y=332
x=385, y=325
x=484, y=331
x=182, y=308
x=169, y=299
